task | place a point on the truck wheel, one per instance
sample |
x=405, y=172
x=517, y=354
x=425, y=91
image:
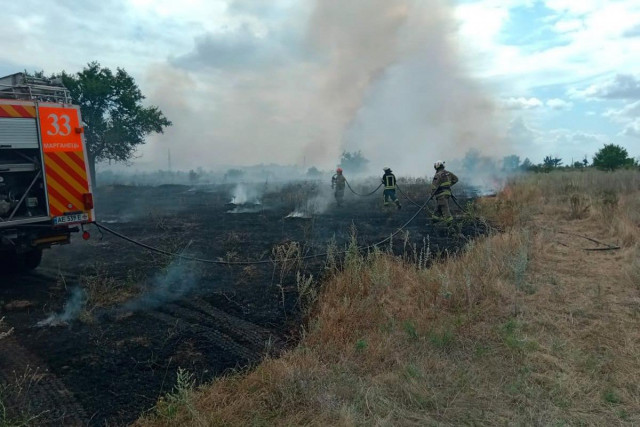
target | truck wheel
x=31, y=260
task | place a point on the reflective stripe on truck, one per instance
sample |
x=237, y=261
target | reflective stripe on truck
x=18, y=111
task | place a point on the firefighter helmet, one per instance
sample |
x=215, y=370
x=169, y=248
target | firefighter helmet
x=386, y=169
x=439, y=164
x=339, y=170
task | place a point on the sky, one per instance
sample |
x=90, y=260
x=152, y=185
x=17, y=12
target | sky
x=407, y=82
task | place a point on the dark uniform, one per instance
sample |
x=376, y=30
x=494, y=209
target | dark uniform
x=441, y=191
x=338, y=182
x=389, y=194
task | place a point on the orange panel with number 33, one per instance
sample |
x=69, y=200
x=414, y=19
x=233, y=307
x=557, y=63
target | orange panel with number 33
x=59, y=129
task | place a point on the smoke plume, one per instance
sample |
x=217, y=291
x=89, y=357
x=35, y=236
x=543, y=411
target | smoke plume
x=383, y=76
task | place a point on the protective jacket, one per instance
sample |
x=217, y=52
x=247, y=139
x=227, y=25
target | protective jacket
x=389, y=181
x=442, y=182
x=338, y=181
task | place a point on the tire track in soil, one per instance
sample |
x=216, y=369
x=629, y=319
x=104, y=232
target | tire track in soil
x=241, y=330
x=247, y=341
x=34, y=390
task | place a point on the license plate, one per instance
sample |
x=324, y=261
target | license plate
x=71, y=219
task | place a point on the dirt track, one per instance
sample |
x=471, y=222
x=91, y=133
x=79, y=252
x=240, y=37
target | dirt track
x=114, y=362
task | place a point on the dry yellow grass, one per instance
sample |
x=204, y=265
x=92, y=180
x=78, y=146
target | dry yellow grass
x=524, y=327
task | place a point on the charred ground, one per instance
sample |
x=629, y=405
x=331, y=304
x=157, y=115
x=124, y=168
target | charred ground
x=146, y=314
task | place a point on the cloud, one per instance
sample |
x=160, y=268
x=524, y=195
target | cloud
x=240, y=47
x=585, y=40
x=533, y=103
x=564, y=143
x=632, y=129
x=568, y=25
x=520, y=132
x=622, y=86
x=629, y=111
x=558, y=104
x=521, y=103
x=633, y=31
x=629, y=117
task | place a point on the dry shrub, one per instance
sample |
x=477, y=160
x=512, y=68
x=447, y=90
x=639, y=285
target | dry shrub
x=580, y=205
x=610, y=200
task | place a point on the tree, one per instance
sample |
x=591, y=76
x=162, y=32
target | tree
x=313, y=172
x=526, y=164
x=511, y=163
x=473, y=161
x=353, y=162
x=551, y=162
x=116, y=122
x=233, y=174
x=611, y=157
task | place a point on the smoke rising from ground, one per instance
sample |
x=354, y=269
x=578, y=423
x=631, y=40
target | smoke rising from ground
x=71, y=310
x=382, y=76
x=317, y=204
x=170, y=285
x=243, y=195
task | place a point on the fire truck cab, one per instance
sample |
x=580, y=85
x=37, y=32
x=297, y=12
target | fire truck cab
x=45, y=185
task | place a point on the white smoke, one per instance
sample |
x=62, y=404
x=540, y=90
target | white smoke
x=71, y=310
x=244, y=209
x=315, y=205
x=178, y=279
x=244, y=195
x=299, y=214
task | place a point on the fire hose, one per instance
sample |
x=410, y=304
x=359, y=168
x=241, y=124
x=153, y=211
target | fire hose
x=454, y=198
x=265, y=261
x=362, y=195
x=406, y=196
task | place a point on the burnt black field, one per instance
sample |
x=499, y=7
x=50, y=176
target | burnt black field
x=153, y=314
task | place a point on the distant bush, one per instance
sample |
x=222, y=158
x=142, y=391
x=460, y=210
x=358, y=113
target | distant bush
x=234, y=174
x=313, y=172
x=612, y=157
x=353, y=162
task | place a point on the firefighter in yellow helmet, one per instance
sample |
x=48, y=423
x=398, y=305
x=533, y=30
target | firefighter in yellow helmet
x=389, y=194
x=338, y=182
x=441, y=191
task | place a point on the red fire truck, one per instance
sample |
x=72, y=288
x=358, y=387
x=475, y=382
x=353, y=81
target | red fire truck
x=45, y=186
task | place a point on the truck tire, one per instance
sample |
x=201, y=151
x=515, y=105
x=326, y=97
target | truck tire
x=31, y=260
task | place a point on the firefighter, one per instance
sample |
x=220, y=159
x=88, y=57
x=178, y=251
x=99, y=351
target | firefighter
x=389, y=194
x=441, y=191
x=338, y=182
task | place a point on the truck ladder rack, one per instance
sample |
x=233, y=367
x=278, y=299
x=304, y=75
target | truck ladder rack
x=19, y=86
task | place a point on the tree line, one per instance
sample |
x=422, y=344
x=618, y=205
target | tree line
x=609, y=158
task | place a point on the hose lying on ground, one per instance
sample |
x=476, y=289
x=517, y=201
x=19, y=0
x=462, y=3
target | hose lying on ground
x=265, y=261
